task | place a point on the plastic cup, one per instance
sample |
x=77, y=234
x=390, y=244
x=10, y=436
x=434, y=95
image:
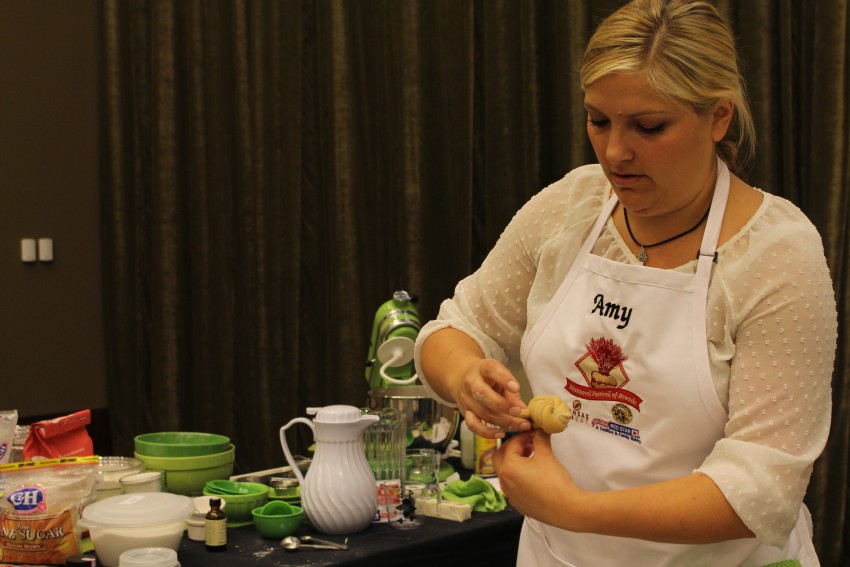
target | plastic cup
x=422, y=466
x=398, y=507
x=148, y=481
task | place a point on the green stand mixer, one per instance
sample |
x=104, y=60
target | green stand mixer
x=394, y=331
x=393, y=383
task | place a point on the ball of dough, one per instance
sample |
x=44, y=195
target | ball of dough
x=549, y=413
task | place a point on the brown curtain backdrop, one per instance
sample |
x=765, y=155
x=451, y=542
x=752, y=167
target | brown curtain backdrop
x=274, y=169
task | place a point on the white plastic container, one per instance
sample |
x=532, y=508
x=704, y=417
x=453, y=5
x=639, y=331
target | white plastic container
x=196, y=524
x=196, y=529
x=148, y=481
x=132, y=521
x=149, y=557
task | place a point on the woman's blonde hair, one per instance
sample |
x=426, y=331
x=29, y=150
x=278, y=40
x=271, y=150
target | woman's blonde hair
x=686, y=51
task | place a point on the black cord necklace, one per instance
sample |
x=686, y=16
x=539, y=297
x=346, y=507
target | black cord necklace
x=642, y=256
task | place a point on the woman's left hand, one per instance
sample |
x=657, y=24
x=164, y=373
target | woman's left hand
x=535, y=483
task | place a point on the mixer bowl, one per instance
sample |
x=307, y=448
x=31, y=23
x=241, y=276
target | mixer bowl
x=430, y=424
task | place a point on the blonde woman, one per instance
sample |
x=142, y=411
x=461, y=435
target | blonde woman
x=686, y=318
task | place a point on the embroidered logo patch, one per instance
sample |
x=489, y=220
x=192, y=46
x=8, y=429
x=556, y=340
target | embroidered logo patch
x=617, y=430
x=621, y=414
x=604, y=376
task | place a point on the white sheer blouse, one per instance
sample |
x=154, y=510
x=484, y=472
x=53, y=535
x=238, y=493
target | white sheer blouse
x=771, y=332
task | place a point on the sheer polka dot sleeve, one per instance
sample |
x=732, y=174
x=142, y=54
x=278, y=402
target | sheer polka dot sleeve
x=779, y=314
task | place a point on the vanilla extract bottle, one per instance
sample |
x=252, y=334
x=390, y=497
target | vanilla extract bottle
x=215, y=527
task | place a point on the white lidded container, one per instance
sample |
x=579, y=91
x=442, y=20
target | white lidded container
x=132, y=521
x=149, y=557
x=196, y=524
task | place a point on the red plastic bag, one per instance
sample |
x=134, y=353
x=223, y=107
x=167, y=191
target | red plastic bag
x=65, y=436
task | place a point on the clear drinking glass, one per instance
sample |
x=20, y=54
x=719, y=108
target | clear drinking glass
x=422, y=473
x=384, y=443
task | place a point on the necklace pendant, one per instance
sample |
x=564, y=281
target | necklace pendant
x=642, y=256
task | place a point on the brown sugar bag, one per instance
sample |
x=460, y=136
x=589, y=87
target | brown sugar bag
x=64, y=436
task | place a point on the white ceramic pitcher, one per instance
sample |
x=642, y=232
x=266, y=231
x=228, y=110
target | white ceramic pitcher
x=338, y=493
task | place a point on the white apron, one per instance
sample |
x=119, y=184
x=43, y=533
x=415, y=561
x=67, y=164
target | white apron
x=625, y=345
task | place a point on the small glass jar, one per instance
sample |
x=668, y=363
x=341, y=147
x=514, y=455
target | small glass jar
x=283, y=488
x=21, y=434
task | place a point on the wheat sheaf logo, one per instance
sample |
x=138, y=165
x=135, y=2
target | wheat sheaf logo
x=604, y=375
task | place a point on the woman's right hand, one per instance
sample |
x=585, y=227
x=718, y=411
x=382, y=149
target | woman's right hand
x=484, y=390
x=488, y=395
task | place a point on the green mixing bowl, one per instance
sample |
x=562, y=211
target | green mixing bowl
x=180, y=444
x=188, y=475
x=277, y=525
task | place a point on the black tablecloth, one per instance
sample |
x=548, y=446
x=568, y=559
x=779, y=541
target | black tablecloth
x=489, y=538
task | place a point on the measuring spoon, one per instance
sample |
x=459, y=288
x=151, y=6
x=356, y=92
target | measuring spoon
x=311, y=539
x=292, y=543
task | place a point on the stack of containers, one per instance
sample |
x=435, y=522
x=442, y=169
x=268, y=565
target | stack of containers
x=187, y=459
x=241, y=498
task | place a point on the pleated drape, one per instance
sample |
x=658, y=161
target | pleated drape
x=823, y=192
x=274, y=169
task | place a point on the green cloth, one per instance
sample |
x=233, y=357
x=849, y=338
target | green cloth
x=477, y=492
x=786, y=563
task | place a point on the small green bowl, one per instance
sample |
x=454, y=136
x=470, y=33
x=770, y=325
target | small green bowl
x=180, y=444
x=277, y=525
x=276, y=508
